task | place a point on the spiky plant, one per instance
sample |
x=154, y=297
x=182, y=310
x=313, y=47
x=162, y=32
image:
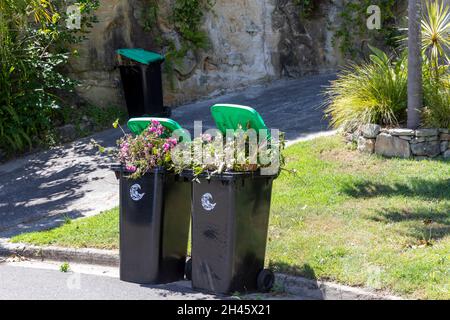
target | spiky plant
x=373, y=92
x=436, y=32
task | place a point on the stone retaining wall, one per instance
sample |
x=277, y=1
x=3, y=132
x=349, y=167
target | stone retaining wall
x=250, y=42
x=402, y=143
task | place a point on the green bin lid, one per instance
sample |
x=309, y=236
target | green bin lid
x=141, y=55
x=138, y=125
x=231, y=116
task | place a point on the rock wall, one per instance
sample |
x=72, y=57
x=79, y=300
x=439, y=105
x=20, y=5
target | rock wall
x=402, y=143
x=251, y=41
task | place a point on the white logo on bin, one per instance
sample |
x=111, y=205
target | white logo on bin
x=134, y=192
x=207, y=202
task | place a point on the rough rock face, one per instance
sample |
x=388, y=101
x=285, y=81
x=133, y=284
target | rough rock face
x=392, y=146
x=95, y=67
x=370, y=131
x=366, y=145
x=250, y=41
x=401, y=143
x=428, y=149
x=305, y=46
x=242, y=42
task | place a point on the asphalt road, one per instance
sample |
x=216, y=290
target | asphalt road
x=45, y=282
x=31, y=280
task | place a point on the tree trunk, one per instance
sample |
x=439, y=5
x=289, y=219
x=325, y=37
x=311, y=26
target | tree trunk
x=415, y=89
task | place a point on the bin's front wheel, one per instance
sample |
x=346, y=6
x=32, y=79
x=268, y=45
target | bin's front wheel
x=265, y=281
x=188, y=269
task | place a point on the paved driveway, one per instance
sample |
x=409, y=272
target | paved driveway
x=74, y=180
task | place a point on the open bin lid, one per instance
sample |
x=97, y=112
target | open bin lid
x=141, y=55
x=231, y=116
x=138, y=125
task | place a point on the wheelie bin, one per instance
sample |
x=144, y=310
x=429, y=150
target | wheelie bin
x=140, y=71
x=230, y=218
x=155, y=213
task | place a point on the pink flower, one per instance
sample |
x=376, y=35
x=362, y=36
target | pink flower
x=172, y=141
x=167, y=147
x=131, y=168
x=207, y=137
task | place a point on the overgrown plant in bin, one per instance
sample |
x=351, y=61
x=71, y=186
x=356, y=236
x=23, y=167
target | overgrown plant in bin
x=238, y=151
x=149, y=150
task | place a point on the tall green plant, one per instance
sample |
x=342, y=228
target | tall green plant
x=373, y=92
x=34, y=47
x=436, y=113
x=436, y=33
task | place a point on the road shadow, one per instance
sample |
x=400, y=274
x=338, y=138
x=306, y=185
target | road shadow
x=49, y=184
x=184, y=288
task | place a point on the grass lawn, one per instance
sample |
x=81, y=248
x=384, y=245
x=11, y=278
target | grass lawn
x=101, y=231
x=356, y=219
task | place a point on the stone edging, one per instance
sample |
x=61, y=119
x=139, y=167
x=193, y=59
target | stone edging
x=402, y=143
x=309, y=289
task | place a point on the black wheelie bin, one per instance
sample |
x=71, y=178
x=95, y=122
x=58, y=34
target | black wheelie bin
x=140, y=71
x=155, y=212
x=230, y=218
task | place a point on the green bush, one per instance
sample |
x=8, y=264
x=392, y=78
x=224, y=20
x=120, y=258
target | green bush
x=34, y=42
x=437, y=100
x=376, y=92
x=373, y=92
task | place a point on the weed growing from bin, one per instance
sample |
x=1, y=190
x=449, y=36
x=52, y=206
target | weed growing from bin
x=151, y=149
x=238, y=151
x=211, y=152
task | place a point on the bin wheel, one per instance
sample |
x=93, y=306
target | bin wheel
x=265, y=280
x=188, y=269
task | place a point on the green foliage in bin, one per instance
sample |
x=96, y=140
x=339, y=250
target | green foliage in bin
x=138, y=125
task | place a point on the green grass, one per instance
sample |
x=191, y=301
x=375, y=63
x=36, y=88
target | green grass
x=356, y=219
x=101, y=231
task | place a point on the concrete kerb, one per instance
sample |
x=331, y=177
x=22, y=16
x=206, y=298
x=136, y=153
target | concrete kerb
x=297, y=286
x=322, y=290
x=86, y=256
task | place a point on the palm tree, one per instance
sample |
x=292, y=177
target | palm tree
x=415, y=91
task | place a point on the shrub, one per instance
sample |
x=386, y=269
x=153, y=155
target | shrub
x=437, y=99
x=34, y=45
x=373, y=92
x=376, y=92
x=435, y=33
